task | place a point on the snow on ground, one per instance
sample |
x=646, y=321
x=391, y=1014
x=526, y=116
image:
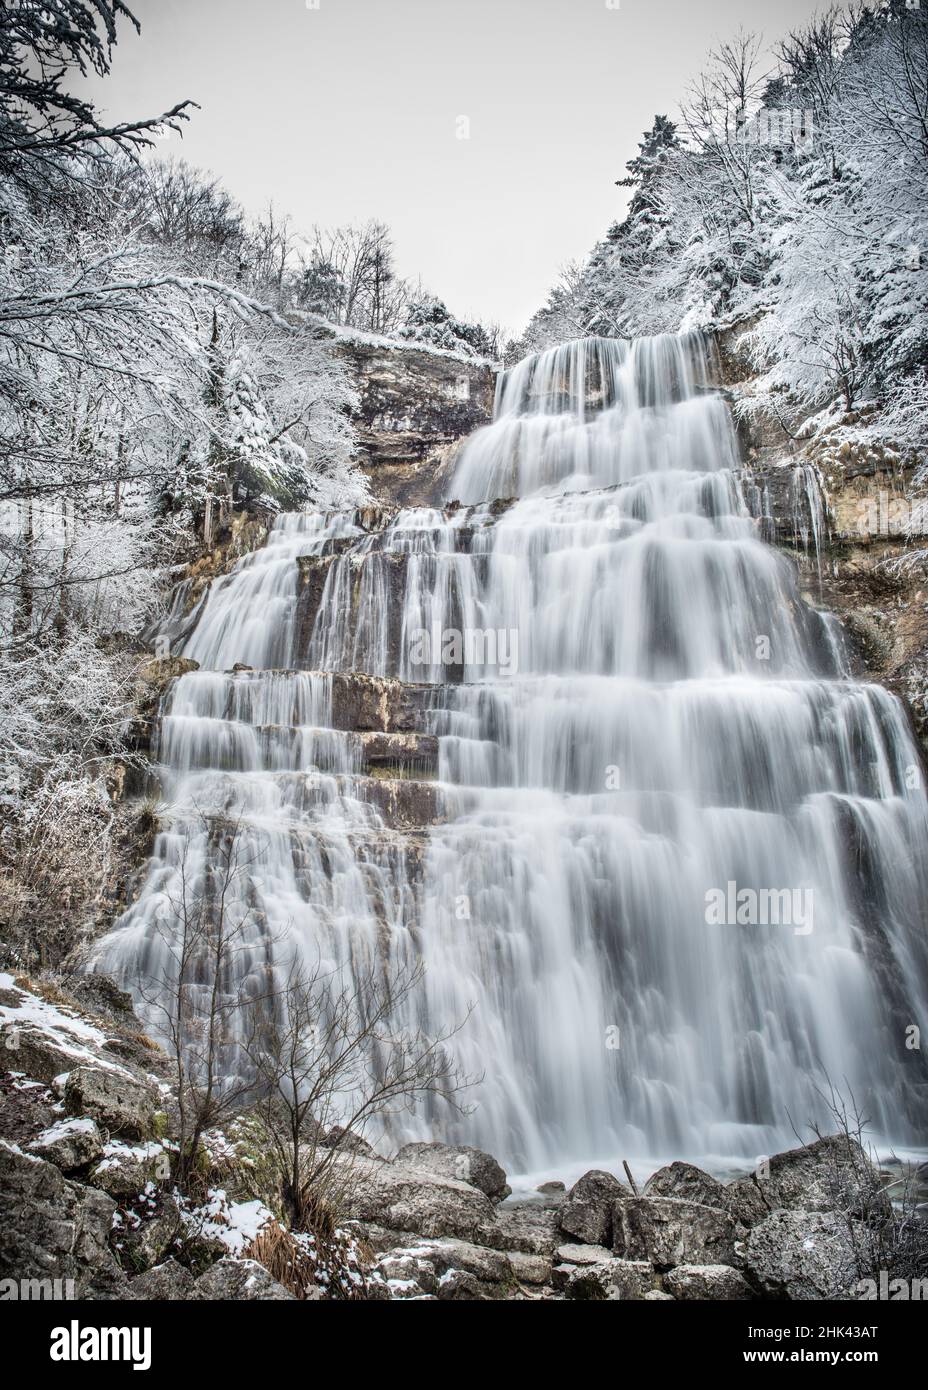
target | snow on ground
x=234, y=1224
x=115, y=1153
x=63, y=1026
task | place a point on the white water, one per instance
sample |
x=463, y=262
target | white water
x=678, y=720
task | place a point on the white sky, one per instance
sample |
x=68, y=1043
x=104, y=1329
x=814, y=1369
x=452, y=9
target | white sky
x=350, y=110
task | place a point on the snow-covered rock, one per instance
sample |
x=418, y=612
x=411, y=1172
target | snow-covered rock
x=127, y=1168
x=69, y=1144
x=117, y=1100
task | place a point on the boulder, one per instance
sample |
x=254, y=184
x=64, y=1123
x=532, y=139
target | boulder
x=405, y=1199
x=36, y=1052
x=744, y=1201
x=102, y=994
x=528, y=1227
x=26, y=1109
x=830, y=1174
x=126, y=1169
x=408, y=1275
x=459, y=1286
x=669, y=1231
x=114, y=1098
x=587, y=1213
x=488, y=1266
x=51, y=1228
x=530, y=1269
x=582, y=1254
x=168, y=1282
x=803, y=1255
x=687, y=1182
x=607, y=1280
x=340, y=1138
x=718, y=1283
x=457, y=1161
x=243, y=1281
x=148, y=1230
x=69, y=1144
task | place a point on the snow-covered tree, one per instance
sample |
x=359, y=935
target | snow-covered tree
x=429, y=320
x=140, y=364
x=793, y=200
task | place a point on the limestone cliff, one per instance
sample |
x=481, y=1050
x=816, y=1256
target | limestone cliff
x=415, y=406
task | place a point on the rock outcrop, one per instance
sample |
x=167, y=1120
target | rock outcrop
x=415, y=404
x=458, y=1161
x=844, y=503
x=587, y=1213
x=804, y=1255
x=668, y=1231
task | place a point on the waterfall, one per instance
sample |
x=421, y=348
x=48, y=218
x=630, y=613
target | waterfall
x=674, y=886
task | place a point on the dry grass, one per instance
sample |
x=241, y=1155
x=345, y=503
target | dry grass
x=284, y=1260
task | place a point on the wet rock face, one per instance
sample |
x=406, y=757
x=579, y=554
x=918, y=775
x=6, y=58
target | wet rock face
x=378, y=704
x=399, y=755
x=858, y=494
x=404, y=804
x=414, y=406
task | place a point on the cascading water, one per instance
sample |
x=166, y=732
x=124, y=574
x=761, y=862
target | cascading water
x=677, y=888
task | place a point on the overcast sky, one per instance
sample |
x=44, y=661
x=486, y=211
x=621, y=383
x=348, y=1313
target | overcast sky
x=352, y=109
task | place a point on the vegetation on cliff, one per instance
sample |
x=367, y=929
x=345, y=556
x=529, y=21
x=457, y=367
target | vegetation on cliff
x=792, y=201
